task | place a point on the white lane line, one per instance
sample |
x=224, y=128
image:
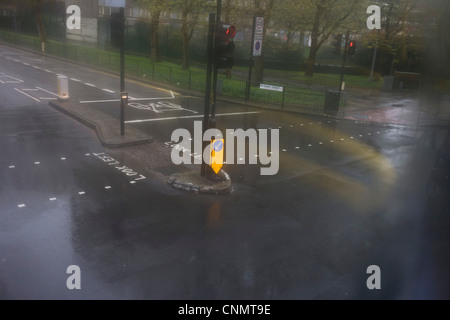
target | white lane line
x=11, y=167
x=47, y=91
x=52, y=199
x=22, y=205
x=109, y=91
x=190, y=117
x=76, y=80
x=30, y=89
x=129, y=99
x=90, y=84
x=36, y=67
x=49, y=71
x=107, y=187
x=18, y=90
x=81, y=193
x=37, y=163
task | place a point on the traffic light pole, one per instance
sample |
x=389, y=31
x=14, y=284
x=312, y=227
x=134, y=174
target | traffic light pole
x=250, y=66
x=215, y=75
x=344, y=60
x=209, y=67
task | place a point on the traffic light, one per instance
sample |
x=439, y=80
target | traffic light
x=224, y=45
x=337, y=43
x=351, y=47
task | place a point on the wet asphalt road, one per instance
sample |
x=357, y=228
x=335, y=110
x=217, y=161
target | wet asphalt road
x=348, y=195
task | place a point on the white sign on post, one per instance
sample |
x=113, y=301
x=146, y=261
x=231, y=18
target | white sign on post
x=258, y=40
x=271, y=88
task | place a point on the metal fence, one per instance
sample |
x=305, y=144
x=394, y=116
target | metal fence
x=286, y=97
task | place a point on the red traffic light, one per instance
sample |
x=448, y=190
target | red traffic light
x=351, y=47
x=224, y=45
x=231, y=32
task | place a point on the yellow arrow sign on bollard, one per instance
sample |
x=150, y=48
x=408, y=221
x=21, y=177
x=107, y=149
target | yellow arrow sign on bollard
x=216, y=160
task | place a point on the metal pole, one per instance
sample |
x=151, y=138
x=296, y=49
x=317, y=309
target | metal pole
x=122, y=49
x=212, y=123
x=209, y=55
x=250, y=64
x=122, y=69
x=347, y=36
x=373, y=62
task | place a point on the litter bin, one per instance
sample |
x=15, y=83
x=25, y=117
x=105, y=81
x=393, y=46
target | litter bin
x=63, y=88
x=332, y=102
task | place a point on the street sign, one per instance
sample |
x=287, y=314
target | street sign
x=258, y=39
x=216, y=160
x=257, y=48
x=259, y=26
x=271, y=88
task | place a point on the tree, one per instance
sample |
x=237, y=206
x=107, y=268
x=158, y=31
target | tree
x=190, y=11
x=329, y=16
x=36, y=7
x=399, y=39
x=154, y=8
x=293, y=17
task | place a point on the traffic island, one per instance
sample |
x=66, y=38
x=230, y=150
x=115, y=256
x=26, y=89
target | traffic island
x=193, y=182
x=106, y=126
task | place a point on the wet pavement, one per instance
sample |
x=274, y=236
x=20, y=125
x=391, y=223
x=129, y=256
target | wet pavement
x=349, y=194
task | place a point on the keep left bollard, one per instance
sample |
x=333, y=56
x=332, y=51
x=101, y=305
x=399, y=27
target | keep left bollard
x=63, y=88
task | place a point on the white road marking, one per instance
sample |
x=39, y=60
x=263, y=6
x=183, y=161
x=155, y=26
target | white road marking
x=190, y=117
x=81, y=193
x=49, y=71
x=160, y=107
x=47, y=91
x=76, y=80
x=108, y=187
x=18, y=90
x=22, y=205
x=37, y=162
x=129, y=99
x=12, y=167
x=52, y=199
x=90, y=84
x=109, y=91
x=14, y=80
